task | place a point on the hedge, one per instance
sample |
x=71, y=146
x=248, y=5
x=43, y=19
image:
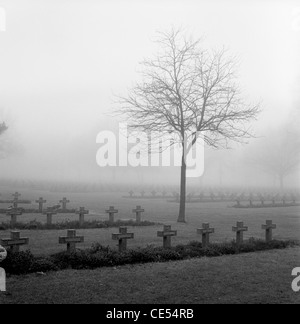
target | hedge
x=100, y=256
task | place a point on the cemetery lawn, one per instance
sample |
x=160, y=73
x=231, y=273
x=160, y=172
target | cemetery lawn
x=261, y=277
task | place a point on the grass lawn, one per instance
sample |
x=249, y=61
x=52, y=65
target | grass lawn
x=263, y=277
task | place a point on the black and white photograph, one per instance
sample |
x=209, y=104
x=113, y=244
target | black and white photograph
x=149, y=154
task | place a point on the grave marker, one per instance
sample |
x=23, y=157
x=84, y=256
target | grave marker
x=166, y=234
x=269, y=230
x=13, y=213
x=81, y=212
x=240, y=229
x=64, y=202
x=16, y=196
x=205, y=231
x=15, y=241
x=41, y=201
x=71, y=240
x=49, y=213
x=111, y=211
x=251, y=197
x=122, y=237
x=138, y=212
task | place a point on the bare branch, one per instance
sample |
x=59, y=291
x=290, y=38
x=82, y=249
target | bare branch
x=188, y=90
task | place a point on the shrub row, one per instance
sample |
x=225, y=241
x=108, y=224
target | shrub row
x=36, y=211
x=35, y=225
x=99, y=256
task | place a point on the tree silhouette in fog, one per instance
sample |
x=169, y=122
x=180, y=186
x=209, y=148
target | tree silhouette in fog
x=189, y=92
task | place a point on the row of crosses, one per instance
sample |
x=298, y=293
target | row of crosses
x=14, y=211
x=51, y=211
x=112, y=211
x=41, y=201
x=167, y=233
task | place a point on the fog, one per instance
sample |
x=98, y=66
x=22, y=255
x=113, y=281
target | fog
x=63, y=62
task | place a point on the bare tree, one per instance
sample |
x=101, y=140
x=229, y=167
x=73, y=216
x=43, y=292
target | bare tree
x=189, y=92
x=279, y=153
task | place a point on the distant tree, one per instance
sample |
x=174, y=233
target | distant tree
x=279, y=153
x=3, y=128
x=189, y=92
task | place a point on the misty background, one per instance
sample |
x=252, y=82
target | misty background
x=63, y=62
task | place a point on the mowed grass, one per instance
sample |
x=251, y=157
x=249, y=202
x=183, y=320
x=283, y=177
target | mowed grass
x=220, y=216
x=262, y=277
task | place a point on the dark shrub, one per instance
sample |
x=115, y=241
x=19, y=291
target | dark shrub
x=18, y=263
x=100, y=256
x=43, y=265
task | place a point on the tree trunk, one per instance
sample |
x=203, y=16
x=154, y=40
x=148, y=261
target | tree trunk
x=181, y=217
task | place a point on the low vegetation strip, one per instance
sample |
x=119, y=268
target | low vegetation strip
x=35, y=225
x=99, y=256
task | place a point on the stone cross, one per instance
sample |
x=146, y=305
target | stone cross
x=64, y=202
x=122, y=237
x=16, y=196
x=111, y=211
x=239, y=229
x=41, y=202
x=15, y=241
x=138, y=211
x=269, y=230
x=166, y=234
x=251, y=197
x=205, y=231
x=13, y=213
x=71, y=240
x=81, y=212
x=49, y=213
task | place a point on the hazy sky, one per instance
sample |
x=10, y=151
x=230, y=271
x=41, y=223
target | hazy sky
x=61, y=61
